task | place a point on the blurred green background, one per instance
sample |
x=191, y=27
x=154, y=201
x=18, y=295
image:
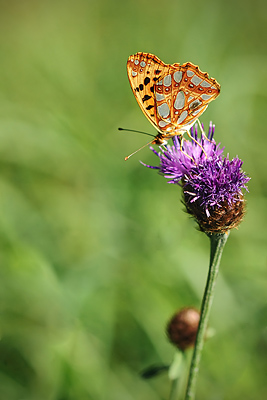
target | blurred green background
x=97, y=253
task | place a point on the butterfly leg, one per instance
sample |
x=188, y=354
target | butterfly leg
x=194, y=140
x=202, y=130
x=182, y=150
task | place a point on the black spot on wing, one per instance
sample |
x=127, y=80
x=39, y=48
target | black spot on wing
x=149, y=107
x=141, y=86
x=146, y=81
x=145, y=98
x=152, y=89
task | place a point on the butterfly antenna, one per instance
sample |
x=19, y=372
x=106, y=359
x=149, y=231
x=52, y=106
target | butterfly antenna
x=132, y=130
x=127, y=158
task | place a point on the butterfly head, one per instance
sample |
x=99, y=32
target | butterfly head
x=159, y=140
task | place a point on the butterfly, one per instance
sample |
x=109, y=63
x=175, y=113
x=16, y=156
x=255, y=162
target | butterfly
x=172, y=96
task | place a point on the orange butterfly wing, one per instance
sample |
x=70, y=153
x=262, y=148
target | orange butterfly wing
x=144, y=70
x=173, y=96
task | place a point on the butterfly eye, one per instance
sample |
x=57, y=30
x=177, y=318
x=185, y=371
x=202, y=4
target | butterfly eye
x=195, y=104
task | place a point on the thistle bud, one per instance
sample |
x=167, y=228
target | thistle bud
x=182, y=328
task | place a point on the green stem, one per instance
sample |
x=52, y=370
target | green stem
x=217, y=242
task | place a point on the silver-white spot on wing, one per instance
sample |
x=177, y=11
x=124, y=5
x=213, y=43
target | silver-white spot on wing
x=182, y=117
x=205, y=96
x=177, y=76
x=167, y=80
x=162, y=124
x=205, y=84
x=142, y=64
x=159, y=96
x=134, y=73
x=189, y=124
x=190, y=73
x=179, y=101
x=163, y=110
x=196, y=80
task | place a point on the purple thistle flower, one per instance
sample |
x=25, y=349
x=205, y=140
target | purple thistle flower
x=212, y=184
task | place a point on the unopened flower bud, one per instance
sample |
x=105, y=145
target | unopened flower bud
x=182, y=328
